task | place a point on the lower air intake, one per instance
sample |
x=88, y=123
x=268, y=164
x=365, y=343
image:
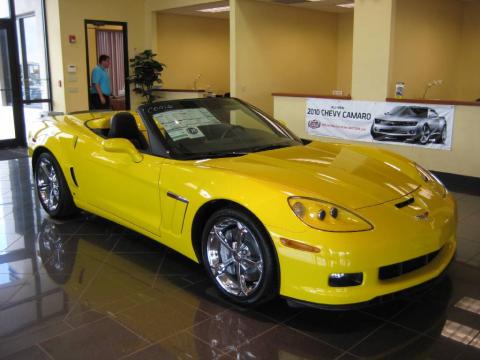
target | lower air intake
x=404, y=267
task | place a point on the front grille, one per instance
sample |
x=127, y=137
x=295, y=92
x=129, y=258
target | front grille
x=395, y=123
x=404, y=267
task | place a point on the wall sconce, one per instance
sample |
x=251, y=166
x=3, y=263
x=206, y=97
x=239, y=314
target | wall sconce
x=430, y=85
x=195, y=82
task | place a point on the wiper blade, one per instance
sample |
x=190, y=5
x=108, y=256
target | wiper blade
x=211, y=155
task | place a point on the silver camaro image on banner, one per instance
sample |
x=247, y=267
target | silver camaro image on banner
x=410, y=124
x=388, y=122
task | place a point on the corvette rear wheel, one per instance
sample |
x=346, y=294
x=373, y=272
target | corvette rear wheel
x=238, y=257
x=52, y=188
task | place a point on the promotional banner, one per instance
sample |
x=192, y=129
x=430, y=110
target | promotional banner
x=410, y=124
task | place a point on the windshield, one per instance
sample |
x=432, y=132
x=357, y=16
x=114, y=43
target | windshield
x=409, y=111
x=215, y=127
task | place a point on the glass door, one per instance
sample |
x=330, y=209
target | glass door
x=11, y=119
x=33, y=58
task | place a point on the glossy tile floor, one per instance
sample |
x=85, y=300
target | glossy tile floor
x=89, y=289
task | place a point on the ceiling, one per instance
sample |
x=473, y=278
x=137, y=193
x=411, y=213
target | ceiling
x=323, y=5
x=193, y=10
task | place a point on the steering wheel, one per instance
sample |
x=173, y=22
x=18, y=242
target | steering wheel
x=231, y=129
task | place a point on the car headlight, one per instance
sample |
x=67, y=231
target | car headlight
x=326, y=216
x=434, y=183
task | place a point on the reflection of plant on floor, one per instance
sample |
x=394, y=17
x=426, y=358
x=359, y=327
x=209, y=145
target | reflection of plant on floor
x=146, y=74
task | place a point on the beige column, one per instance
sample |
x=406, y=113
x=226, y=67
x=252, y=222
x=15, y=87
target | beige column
x=373, y=29
x=233, y=17
x=151, y=30
x=52, y=9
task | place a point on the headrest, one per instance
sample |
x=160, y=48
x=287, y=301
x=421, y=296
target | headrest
x=123, y=125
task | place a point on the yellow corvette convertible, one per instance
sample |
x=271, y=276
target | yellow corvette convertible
x=267, y=213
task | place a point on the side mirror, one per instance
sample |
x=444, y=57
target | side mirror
x=119, y=145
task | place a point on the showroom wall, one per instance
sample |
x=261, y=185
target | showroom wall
x=66, y=17
x=284, y=49
x=426, y=46
x=373, y=45
x=468, y=82
x=344, y=52
x=436, y=39
x=192, y=46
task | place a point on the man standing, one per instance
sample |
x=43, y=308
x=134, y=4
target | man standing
x=100, y=90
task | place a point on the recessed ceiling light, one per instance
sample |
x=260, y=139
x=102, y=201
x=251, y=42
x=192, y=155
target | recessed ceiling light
x=216, y=9
x=348, y=5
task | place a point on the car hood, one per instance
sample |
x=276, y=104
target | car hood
x=348, y=175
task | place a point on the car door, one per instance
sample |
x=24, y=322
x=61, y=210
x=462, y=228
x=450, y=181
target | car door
x=114, y=183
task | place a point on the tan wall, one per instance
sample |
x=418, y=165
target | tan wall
x=344, y=52
x=193, y=45
x=427, y=47
x=468, y=81
x=283, y=49
x=462, y=159
x=72, y=14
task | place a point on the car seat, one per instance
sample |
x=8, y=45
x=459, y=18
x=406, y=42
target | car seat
x=123, y=125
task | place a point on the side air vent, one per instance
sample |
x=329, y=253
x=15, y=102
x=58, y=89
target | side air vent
x=72, y=173
x=405, y=203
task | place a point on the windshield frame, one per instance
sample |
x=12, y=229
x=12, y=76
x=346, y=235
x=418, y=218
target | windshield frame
x=409, y=111
x=161, y=147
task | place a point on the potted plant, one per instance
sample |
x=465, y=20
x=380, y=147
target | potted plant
x=146, y=74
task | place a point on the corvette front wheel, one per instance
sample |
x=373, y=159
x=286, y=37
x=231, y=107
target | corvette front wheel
x=52, y=188
x=238, y=257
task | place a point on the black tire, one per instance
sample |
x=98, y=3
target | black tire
x=65, y=207
x=442, y=136
x=267, y=288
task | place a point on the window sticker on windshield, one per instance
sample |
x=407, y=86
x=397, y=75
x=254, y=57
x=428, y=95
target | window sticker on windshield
x=184, y=123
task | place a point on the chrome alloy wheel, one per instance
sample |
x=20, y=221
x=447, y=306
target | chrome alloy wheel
x=47, y=184
x=234, y=257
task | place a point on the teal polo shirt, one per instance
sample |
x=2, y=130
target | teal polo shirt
x=100, y=77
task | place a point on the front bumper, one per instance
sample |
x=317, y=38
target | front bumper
x=396, y=237
x=396, y=131
x=381, y=299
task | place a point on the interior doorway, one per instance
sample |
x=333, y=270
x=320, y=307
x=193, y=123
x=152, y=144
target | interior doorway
x=109, y=38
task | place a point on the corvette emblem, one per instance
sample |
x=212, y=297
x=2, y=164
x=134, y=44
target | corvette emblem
x=423, y=216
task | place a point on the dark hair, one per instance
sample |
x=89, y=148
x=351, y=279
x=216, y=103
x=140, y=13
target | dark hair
x=103, y=58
